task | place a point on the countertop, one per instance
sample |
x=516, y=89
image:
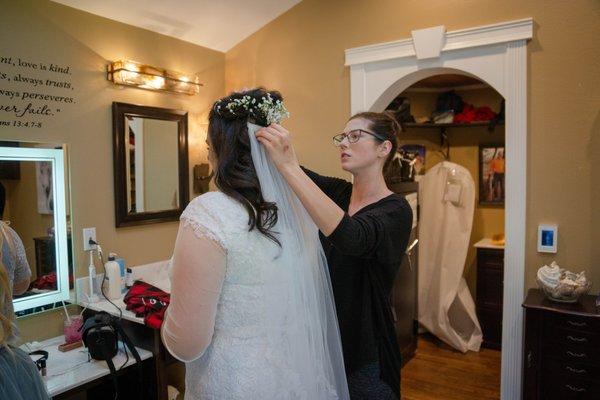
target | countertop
x=66, y=371
x=486, y=243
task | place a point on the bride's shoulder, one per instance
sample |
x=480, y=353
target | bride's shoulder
x=210, y=197
x=216, y=204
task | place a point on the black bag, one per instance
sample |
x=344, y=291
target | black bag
x=449, y=101
x=101, y=334
x=400, y=106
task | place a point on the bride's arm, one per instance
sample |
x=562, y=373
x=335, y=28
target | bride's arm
x=198, y=270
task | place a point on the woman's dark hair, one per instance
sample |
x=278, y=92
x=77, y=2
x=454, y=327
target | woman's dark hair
x=386, y=126
x=234, y=172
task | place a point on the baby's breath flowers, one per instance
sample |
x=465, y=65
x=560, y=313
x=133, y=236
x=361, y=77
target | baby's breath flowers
x=267, y=110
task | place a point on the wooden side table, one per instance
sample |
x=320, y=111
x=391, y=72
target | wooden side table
x=561, y=355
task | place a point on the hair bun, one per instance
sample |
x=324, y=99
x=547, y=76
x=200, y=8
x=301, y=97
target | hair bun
x=397, y=127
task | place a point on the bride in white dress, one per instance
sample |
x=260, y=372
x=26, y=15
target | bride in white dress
x=251, y=312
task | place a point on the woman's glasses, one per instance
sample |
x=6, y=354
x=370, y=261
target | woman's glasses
x=353, y=136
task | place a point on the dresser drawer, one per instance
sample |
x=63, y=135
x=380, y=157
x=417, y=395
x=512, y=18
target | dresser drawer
x=571, y=322
x=571, y=352
x=557, y=387
x=571, y=370
x=571, y=336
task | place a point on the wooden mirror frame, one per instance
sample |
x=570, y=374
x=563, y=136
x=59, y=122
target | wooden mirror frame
x=122, y=216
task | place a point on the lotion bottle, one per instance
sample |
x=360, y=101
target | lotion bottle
x=113, y=275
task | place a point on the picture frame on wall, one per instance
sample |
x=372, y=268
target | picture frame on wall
x=492, y=174
x=45, y=198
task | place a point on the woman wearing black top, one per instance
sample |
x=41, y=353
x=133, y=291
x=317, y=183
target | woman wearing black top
x=364, y=231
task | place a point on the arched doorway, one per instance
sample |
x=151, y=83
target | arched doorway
x=495, y=54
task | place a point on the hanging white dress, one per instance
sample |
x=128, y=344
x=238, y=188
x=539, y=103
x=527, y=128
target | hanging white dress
x=446, y=307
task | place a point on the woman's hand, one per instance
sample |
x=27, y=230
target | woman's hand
x=278, y=143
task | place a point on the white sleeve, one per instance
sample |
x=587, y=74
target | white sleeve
x=197, y=274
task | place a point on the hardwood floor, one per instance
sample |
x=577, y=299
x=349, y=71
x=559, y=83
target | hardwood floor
x=438, y=372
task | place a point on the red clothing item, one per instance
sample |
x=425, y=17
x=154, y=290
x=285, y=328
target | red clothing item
x=45, y=282
x=484, y=114
x=472, y=114
x=149, y=302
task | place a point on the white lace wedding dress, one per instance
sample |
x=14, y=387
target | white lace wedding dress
x=252, y=319
x=237, y=363
x=243, y=361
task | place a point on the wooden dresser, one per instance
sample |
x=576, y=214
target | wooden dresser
x=490, y=291
x=562, y=349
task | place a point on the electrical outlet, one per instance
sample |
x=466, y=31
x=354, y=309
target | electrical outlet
x=89, y=233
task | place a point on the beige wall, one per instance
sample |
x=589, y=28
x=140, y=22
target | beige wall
x=301, y=54
x=40, y=30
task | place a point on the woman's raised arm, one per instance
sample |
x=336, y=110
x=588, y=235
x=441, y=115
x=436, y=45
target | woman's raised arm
x=325, y=212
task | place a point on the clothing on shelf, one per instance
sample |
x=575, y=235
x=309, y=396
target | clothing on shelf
x=400, y=106
x=442, y=117
x=473, y=114
x=449, y=101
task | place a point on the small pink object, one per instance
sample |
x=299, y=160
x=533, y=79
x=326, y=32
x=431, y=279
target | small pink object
x=71, y=329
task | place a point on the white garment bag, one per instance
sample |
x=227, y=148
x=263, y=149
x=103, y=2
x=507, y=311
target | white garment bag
x=446, y=307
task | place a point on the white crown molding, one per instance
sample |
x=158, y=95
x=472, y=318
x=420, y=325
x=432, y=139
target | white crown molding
x=503, y=32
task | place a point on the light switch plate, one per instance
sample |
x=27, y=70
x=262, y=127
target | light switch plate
x=547, y=238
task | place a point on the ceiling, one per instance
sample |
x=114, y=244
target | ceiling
x=216, y=24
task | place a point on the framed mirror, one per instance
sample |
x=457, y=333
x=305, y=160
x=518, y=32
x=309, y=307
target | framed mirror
x=150, y=147
x=35, y=223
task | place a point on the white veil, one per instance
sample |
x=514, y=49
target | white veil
x=299, y=293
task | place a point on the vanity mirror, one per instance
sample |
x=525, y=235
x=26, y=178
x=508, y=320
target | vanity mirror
x=150, y=148
x=35, y=223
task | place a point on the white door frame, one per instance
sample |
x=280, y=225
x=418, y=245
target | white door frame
x=496, y=54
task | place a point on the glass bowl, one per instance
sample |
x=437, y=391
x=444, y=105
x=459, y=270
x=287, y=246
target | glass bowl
x=564, y=293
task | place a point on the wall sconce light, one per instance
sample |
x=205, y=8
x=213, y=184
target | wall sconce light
x=202, y=177
x=132, y=73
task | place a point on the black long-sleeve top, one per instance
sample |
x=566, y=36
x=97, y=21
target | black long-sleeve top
x=364, y=253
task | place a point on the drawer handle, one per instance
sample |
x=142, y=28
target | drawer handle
x=575, y=389
x=575, y=339
x=578, y=324
x=576, y=371
x=578, y=355
x=529, y=359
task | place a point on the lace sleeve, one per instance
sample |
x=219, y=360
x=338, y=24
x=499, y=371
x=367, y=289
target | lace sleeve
x=197, y=274
x=203, y=218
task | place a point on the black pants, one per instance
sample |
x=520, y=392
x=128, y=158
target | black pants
x=365, y=384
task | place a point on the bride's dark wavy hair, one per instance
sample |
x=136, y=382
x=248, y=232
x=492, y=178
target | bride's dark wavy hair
x=234, y=172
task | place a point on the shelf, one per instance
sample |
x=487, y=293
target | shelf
x=444, y=134
x=449, y=125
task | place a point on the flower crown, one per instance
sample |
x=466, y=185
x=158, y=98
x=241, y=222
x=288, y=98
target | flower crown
x=265, y=111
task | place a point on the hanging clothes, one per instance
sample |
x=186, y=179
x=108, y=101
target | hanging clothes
x=446, y=308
